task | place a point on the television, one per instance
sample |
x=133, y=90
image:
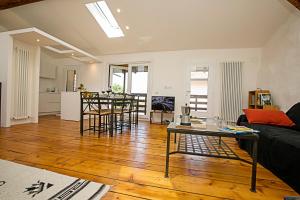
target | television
x=163, y=103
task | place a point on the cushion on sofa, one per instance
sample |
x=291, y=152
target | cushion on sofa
x=272, y=117
x=294, y=114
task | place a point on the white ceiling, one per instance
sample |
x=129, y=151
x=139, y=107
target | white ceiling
x=155, y=25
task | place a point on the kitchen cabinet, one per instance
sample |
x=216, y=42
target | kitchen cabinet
x=70, y=106
x=49, y=103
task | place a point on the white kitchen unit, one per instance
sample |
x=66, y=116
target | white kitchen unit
x=49, y=103
x=70, y=106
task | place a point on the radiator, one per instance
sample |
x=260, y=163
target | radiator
x=231, y=90
x=21, y=84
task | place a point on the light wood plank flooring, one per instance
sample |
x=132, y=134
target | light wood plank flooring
x=134, y=163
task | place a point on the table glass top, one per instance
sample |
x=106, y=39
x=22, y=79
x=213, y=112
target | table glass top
x=208, y=126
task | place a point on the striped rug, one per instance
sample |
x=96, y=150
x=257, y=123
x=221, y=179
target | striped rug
x=20, y=182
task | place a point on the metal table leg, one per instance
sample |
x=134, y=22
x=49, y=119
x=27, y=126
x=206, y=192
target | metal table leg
x=167, y=155
x=81, y=118
x=111, y=122
x=254, y=165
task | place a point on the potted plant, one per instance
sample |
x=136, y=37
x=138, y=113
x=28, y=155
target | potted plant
x=81, y=88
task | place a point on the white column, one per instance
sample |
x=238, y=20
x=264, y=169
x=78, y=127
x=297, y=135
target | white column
x=6, y=56
x=35, y=85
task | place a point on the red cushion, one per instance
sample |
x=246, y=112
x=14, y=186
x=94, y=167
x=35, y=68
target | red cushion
x=274, y=117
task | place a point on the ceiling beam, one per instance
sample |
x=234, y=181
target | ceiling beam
x=296, y=3
x=5, y=4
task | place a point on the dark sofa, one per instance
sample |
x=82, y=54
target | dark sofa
x=278, y=147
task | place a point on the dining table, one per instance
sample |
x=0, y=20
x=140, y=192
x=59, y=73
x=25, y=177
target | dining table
x=111, y=101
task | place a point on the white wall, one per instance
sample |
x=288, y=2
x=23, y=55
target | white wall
x=280, y=71
x=169, y=72
x=92, y=76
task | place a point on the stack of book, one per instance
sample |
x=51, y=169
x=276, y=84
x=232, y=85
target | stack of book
x=238, y=130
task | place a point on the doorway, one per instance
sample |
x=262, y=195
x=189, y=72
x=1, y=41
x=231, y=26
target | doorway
x=131, y=79
x=199, y=76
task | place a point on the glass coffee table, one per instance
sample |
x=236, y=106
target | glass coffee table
x=206, y=140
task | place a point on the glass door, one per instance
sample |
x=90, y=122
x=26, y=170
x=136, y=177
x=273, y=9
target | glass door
x=199, y=91
x=139, y=85
x=119, y=78
x=139, y=79
x=131, y=79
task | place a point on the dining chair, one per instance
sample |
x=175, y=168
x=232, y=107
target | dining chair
x=132, y=109
x=123, y=106
x=91, y=106
x=135, y=109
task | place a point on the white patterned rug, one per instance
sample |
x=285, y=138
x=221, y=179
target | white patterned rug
x=20, y=182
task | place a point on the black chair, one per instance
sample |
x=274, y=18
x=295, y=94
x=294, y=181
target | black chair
x=122, y=107
x=91, y=106
x=132, y=104
x=135, y=109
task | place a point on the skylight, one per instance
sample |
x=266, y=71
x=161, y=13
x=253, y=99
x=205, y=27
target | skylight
x=105, y=19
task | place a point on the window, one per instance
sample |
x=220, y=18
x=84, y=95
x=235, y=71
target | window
x=105, y=19
x=199, y=89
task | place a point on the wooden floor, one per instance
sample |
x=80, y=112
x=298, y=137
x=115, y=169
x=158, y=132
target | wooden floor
x=134, y=163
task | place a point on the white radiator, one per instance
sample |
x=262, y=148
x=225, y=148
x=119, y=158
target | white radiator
x=231, y=90
x=21, y=83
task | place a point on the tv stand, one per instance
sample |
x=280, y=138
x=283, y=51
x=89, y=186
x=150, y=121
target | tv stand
x=162, y=116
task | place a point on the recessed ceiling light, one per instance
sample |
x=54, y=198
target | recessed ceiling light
x=105, y=19
x=72, y=54
x=38, y=40
x=127, y=27
x=118, y=10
